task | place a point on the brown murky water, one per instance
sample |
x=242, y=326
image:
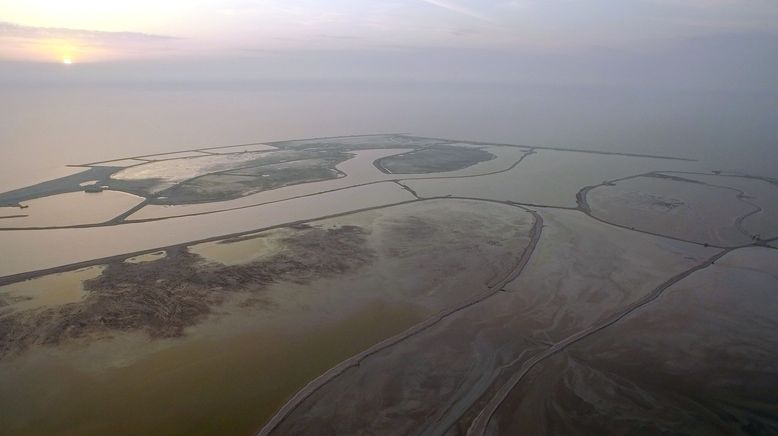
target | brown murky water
x=71, y=208
x=40, y=249
x=241, y=252
x=200, y=385
x=150, y=257
x=50, y=290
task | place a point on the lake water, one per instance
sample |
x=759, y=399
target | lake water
x=228, y=374
x=46, y=126
x=40, y=249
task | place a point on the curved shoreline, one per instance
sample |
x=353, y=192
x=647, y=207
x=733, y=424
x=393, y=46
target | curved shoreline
x=480, y=424
x=122, y=218
x=354, y=361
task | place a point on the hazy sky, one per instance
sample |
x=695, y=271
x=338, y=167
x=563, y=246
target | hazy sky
x=685, y=77
x=99, y=30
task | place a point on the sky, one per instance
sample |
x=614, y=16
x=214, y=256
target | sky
x=91, y=31
x=669, y=76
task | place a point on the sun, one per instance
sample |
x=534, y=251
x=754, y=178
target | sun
x=67, y=61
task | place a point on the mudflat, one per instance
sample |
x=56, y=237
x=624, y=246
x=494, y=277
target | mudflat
x=390, y=284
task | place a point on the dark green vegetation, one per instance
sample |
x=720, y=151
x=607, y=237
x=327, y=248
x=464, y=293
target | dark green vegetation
x=435, y=159
x=165, y=296
x=229, y=176
x=245, y=181
x=546, y=292
x=213, y=176
x=700, y=361
x=61, y=185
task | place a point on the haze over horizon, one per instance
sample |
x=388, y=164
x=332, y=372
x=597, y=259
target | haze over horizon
x=559, y=41
x=459, y=217
x=688, y=78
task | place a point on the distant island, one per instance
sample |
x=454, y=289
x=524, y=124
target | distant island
x=390, y=284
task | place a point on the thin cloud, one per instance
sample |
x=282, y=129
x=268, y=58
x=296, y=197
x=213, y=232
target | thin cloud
x=458, y=8
x=33, y=32
x=82, y=45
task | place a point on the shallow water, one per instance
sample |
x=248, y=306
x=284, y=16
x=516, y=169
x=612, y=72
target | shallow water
x=182, y=166
x=358, y=170
x=39, y=249
x=48, y=291
x=72, y=208
x=691, y=211
x=229, y=373
x=122, y=163
x=709, y=341
x=547, y=177
x=759, y=192
x=150, y=257
x=197, y=385
x=243, y=251
x=50, y=125
x=242, y=148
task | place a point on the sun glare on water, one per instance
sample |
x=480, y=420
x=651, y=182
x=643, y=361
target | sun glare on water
x=67, y=61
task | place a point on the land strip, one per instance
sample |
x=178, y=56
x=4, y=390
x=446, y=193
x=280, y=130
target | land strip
x=356, y=360
x=479, y=426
